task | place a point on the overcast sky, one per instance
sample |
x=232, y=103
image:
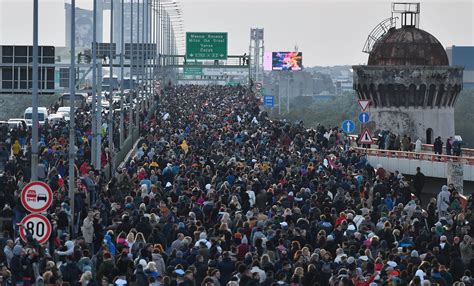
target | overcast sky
x=328, y=32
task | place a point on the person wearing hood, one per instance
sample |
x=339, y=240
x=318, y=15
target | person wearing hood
x=159, y=261
x=16, y=148
x=203, y=238
x=69, y=249
x=418, y=145
x=443, y=202
x=109, y=242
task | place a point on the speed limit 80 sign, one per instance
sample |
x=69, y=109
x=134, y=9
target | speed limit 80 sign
x=36, y=224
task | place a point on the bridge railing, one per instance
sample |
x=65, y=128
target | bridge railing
x=466, y=152
x=413, y=155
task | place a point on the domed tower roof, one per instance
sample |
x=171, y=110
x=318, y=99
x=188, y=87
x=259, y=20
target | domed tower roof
x=407, y=46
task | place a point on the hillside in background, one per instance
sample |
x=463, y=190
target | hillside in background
x=333, y=111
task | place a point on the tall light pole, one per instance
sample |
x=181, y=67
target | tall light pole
x=110, y=124
x=34, y=93
x=94, y=161
x=145, y=40
x=139, y=49
x=142, y=62
x=132, y=89
x=72, y=114
x=122, y=49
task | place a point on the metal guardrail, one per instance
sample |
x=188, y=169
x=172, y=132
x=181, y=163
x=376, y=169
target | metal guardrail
x=413, y=155
x=466, y=152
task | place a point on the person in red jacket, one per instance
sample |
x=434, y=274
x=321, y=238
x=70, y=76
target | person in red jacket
x=85, y=168
x=243, y=248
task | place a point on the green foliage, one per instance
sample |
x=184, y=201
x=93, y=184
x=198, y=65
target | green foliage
x=328, y=112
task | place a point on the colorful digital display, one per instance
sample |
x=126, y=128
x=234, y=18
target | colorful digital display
x=287, y=61
x=267, y=61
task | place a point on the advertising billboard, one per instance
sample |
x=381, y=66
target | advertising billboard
x=287, y=61
x=267, y=61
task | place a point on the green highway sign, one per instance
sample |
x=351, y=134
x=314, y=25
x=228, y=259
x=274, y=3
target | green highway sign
x=192, y=70
x=206, y=46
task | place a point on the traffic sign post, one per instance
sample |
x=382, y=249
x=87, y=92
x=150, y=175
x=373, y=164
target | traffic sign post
x=38, y=226
x=348, y=126
x=36, y=197
x=269, y=101
x=364, y=103
x=364, y=117
x=366, y=138
x=206, y=46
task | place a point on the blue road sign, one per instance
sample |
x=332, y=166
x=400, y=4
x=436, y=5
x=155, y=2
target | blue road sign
x=364, y=117
x=348, y=126
x=269, y=101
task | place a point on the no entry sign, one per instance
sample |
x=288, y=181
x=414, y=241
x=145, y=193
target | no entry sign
x=36, y=197
x=38, y=225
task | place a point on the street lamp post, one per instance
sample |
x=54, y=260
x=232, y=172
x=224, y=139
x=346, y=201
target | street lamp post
x=142, y=62
x=72, y=114
x=122, y=48
x=145, y=54
x=137, y=105
x=94, y=160
x=132, y=90
x=110, y=125
x=34, y=93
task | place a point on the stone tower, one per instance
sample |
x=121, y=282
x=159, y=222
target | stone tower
x=408, y=79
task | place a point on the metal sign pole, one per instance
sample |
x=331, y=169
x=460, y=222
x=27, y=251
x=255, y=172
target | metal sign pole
x=154, y=43
x=142, y=61
x=137, y=97
x=72, y=114
x=132, y=89
x=122, y=47
x=34, y=142
x=110, y=125
x=288, y=93
x=145, y=62
x=98, y=142
x=94, y=161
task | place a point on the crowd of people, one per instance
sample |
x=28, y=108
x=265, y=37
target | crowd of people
x=387, y=140
x=218, y=194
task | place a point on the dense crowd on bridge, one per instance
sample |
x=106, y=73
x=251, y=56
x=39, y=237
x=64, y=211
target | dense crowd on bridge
x=220, y=194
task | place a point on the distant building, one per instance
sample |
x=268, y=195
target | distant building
x=84, y=24
x=84, y=27
x=463, y=56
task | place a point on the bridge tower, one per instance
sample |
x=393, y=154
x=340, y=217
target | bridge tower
x=412, y=88
x=256, y=50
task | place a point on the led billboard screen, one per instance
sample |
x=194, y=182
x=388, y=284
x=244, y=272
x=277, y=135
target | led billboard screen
x=287, y=61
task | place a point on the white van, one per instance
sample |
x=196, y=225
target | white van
x=42, y=115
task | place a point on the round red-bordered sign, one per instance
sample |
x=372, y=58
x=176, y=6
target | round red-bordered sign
x=36, y=197
x=38, y=225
